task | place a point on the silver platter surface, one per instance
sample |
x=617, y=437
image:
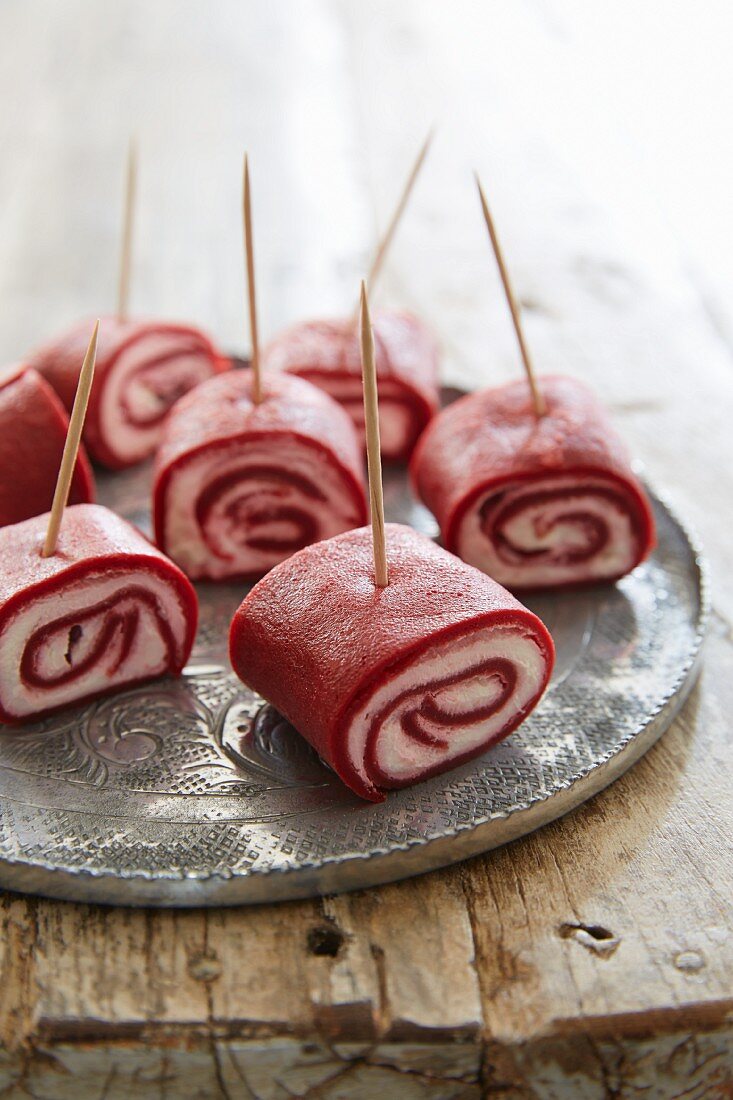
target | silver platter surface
x=192, y=792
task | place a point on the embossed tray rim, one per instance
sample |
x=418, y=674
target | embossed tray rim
x=417, y=855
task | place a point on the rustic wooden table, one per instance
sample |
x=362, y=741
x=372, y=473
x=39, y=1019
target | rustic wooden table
x=595, y=958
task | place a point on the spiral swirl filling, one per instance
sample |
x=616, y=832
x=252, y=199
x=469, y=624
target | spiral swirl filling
x=400, y=421
x=90, y=637
x=552, y=530
x=445, y=704
x=147, y=378
x=237, y=511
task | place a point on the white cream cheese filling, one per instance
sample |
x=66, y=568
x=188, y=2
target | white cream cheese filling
x=399, y=755
x=549, y=527
x=148, y=655
x=254, y=507
x=124, y=388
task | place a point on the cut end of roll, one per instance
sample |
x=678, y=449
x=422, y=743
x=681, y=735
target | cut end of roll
x=239, y=487
x=326, y=353
x=107, y=611
x=536, y=504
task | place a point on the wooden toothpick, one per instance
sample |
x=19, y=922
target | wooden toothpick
x=71, y=446
x=251, y=295
x=128, y=217
x=388, y=235
x=374, y=457
x=537, y=399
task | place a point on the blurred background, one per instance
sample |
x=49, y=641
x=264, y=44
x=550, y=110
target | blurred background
x=601, y=131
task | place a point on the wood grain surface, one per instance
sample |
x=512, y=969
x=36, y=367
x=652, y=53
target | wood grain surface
x=594, y=958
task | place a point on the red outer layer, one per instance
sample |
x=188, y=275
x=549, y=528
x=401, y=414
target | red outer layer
x=92, y=540
x=492, y=437
x=60, y=361
x=405, y=351
x=33, y=426
x=220, y=411
x=315, y=635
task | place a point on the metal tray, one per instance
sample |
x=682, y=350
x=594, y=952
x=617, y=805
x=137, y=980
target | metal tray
x=191, y=792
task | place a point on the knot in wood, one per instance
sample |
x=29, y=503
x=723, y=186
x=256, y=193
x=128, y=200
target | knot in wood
x=204, y=967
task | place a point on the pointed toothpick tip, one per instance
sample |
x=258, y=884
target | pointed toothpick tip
x=374, y=457
x=538, y=400
x=71, y=446
x=94, y=340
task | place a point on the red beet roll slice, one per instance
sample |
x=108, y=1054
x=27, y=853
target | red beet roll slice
x=535, y=503
x=33, y=426
x=239, y=486
x=327, y=354
x=396, y=684
x=143, y=367
x=106, y=611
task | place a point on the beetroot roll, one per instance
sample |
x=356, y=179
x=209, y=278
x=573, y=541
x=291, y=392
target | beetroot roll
x=33, y=426
x=534, y=502
x=143, y=367
x=326, y=353
x=106, y=611
x=390, y=685
x=239, y=486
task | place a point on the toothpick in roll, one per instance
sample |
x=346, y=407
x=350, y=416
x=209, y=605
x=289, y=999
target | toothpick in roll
x=71, y=447
x=374, y=459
